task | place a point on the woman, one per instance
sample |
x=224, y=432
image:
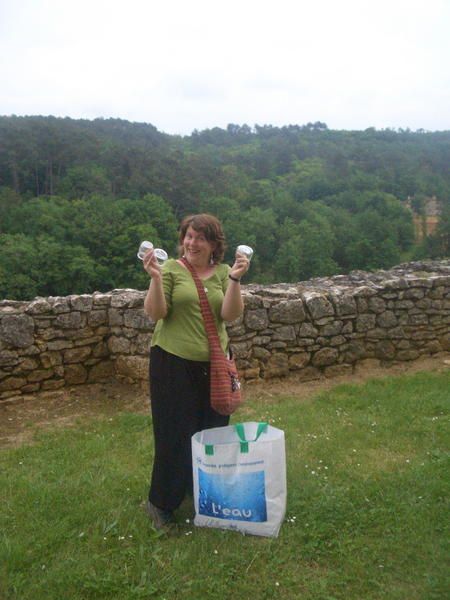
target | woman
x=179, y=354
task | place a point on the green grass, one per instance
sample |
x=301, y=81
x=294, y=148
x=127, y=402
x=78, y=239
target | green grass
x=368, y=485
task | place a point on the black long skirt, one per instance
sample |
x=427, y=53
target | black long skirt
x=179, y=393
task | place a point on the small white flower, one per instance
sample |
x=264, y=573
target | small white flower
x=277, y=583
x=216, y=552
x=188, y=520
x=313, y=472
x=121, y=537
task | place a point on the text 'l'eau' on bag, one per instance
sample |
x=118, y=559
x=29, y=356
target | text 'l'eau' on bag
x=239, y=476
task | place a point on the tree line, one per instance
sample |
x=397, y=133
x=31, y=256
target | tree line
x=77, y=197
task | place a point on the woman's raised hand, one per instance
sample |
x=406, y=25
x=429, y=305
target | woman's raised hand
x=151, y=264
x=240, y=266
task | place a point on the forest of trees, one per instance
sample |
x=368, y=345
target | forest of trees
x=77, y=197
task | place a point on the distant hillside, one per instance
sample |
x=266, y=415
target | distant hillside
x=313, y=201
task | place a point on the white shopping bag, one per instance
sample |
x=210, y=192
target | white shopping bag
x=240, y=478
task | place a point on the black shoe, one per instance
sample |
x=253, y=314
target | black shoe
x=161, y=518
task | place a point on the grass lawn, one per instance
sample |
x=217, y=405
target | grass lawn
x=368, y=490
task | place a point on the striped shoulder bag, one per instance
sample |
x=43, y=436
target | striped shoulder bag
x=225, y=387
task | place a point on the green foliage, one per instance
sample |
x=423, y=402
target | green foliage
x=368, y=479
x=311, y=201
x=60, y=247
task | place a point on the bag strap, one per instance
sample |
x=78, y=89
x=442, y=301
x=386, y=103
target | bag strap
x=240, y=430
x=208, y=317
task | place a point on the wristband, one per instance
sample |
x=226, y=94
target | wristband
x=233, y=278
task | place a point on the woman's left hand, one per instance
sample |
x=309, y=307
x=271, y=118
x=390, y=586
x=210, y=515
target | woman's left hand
x=240, y=266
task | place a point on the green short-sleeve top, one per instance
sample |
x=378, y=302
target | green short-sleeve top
x=182, y=330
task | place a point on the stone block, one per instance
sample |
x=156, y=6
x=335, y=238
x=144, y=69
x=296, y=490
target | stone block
x=365, y=322
x=325, y=357
x=240, y=350
x=307, y=330
x=337, y=340
x=433, y=347
x=81, y=303
x=17, y=330
x=12, y=383
x=407, y=355
x=27, y=364
x=115, y=317
x=276, y=366
x=260, y=353
x=386, y=319
x=376, y=305
x=38, y=306
x=8, y=358
x=256, y=319
x=285, y=333
x=337, y=370
x=137, y=319
x=345, y=304
x=59, y=345
x=308, y=374
x=445, y=342
x=99, y=299
x=40, y=375
x=77, y=355
x=362, y=366
x=97, y=317
x=318, y=305
x=331, y=329
x=102, y=371
x=414, y=293
x=51, y=359
x=133, y=367
x=119, y=345
x=299, y=360
x=287, y=311
x=74, y=374
x=70, y=320
x=418, y=319
x=385, y=350
x=53, y=384
x=354, y=352
x=252, y=373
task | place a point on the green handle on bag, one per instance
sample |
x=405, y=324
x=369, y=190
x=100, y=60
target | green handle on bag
x=240, y=430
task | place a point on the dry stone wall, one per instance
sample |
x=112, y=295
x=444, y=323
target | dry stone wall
x=321, y=326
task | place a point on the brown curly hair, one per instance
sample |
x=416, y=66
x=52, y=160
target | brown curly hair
x=211, y=228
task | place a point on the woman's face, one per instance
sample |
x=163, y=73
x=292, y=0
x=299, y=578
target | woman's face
x=197, y=249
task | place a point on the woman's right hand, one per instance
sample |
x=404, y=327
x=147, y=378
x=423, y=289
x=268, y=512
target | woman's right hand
x=151, y=264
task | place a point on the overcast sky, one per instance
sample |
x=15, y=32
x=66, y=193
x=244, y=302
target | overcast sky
x=195, y=64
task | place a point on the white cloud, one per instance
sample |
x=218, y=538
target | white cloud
x=184, y=65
